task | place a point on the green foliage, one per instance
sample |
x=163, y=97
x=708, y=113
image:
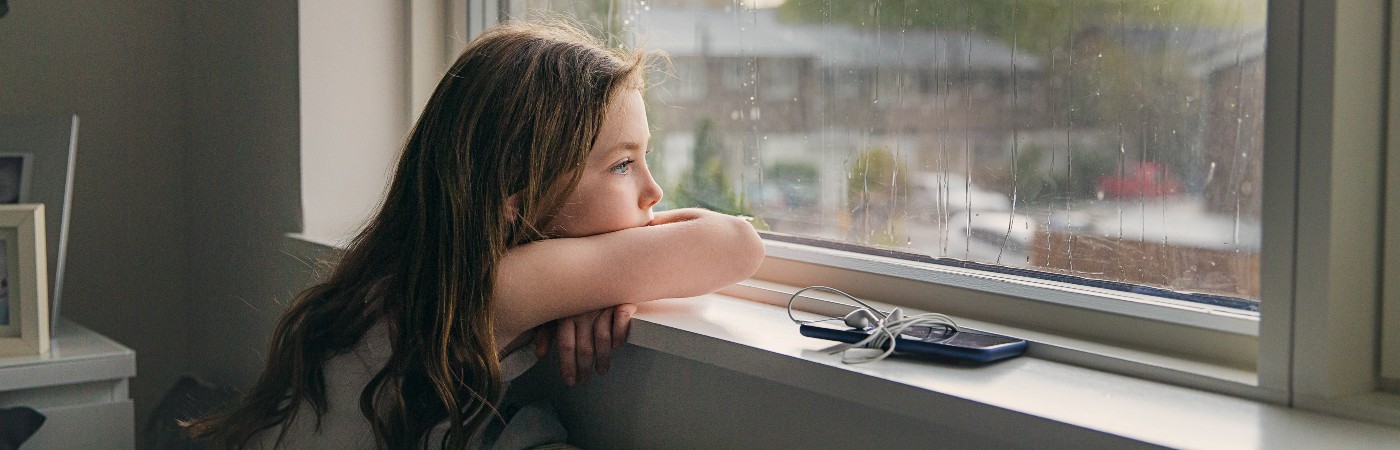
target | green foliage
x=876, y=187
x=707, y=185
x=707, y=145
x=799, y=181
x=1038, y=182
x=877, y=175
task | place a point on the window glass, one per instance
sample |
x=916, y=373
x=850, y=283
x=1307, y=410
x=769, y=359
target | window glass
x=1093, y=141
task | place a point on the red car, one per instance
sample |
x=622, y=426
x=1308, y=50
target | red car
x=1139, y=179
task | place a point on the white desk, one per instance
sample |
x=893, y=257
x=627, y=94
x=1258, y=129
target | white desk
x=80, y=386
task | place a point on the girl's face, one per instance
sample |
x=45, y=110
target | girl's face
x=616, y=190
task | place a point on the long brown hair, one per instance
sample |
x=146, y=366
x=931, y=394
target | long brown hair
x=517, y=114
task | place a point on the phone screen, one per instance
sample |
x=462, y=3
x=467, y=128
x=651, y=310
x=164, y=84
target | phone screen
x=970, y=339
x=946, y=336
x=935, y=333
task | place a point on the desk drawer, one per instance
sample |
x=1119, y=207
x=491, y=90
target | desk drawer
x=109, y=425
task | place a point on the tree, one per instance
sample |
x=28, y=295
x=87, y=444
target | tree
x=876, y=187
x=707, y=185
x=798, y=181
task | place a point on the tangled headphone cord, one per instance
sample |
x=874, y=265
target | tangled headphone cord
x=882, y=327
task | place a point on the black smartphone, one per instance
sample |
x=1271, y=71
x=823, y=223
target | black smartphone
x=942, y=343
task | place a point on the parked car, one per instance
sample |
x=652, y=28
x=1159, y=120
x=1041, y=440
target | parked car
x=1139, y=179
x=953, y=191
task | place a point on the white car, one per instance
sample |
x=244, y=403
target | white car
x=937, y=190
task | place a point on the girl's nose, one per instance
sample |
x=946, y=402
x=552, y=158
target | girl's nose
x=651, y=193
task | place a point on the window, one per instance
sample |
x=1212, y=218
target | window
x=1109, y=171
x=1115, y=145
x=691, y=76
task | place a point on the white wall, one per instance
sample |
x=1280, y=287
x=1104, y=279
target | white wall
x=120, y=66
x=354, y=97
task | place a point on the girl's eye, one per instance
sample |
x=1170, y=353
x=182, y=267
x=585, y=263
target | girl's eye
x=622, y=168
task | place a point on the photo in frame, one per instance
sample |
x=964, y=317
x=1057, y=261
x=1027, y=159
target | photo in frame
x=37, y=157
x=15, y=176
x=24, y=305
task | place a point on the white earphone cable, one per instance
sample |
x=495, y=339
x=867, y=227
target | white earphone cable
x=885, y=329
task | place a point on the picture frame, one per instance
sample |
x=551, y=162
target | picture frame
x=24, y=305
x=47, y=145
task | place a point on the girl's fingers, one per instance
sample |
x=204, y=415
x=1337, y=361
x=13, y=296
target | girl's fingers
x=622, y=323
x=602, y=341
x=587, y=340
x=566, y=337
x=542, y=340
x=583, y=339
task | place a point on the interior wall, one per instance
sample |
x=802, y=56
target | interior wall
x=243, y=180
x=120, y=67
x=303, y=83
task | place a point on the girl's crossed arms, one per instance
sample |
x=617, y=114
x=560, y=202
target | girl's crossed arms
x=630, y=255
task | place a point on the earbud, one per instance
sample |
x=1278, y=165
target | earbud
x=861, y=319
x=894, y=316
x=865, y=319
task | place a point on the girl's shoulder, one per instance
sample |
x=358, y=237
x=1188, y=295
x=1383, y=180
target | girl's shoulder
x=342, y=426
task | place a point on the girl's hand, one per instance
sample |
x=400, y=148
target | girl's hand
x=580, y=353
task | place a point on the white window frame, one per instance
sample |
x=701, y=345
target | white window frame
x=1316, y=342
x=1335, y=327
x=438, y=31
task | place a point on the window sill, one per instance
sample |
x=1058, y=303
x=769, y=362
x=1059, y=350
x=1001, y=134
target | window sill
x=758, y=339
x=1092, y=388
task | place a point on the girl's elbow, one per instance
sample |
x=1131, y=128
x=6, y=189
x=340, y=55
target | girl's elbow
x=748, y=248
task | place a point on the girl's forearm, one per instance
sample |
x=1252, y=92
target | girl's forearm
x=686, y=253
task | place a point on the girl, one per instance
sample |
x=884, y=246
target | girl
x=522, y=196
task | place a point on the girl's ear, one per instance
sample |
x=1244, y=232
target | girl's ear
x=513, y=207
